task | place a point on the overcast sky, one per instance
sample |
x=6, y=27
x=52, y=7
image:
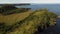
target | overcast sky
x=29, y=1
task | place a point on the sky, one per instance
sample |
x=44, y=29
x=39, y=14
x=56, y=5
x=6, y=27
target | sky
x=29, y=1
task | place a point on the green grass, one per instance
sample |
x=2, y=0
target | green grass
x=31, y=23
x=11, y=19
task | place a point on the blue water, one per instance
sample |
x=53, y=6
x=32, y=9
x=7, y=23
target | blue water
x=51, y=7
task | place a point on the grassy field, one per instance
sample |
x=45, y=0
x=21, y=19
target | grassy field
x=30, y=25
x=11, y=19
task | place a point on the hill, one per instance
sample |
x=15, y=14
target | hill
x=38, y=19
x=25, y=22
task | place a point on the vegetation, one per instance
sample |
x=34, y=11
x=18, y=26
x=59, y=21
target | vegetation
x=11, y=19
x=6, y=8
x=11, y=9
x=26, y=22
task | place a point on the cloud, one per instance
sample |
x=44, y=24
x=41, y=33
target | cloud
x=29, y=1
